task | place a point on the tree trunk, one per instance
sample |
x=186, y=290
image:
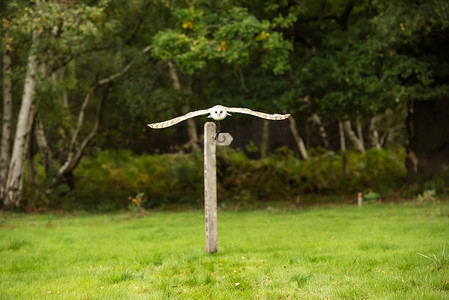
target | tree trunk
x=341, y=131
x=358, y=125
x=42, y=143
x=75, y=155
x=7, y=120
x=357, y=142
x=316, y=119
x=298, y=139
x=14, y=183
x=191, y=128
x=265, y=138
x=30, y=158
x=373, y=134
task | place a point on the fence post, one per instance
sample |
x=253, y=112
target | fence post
x=210, y=186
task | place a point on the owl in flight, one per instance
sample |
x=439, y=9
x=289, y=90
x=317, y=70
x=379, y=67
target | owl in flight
x=218, y=112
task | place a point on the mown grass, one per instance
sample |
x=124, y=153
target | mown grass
x=382, y=251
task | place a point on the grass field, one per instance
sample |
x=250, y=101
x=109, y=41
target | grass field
x=382, y=251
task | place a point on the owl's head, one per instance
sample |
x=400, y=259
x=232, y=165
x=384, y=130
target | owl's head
x=218, y=112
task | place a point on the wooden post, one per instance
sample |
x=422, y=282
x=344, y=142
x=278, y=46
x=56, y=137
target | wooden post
x=210, y=186
x=359, y=200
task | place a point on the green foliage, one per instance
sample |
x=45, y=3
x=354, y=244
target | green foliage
x=114, y=178
x=64, y=31
x=228, y=34
x=438, y=184
x=284, y=176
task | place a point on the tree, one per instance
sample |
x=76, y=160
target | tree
x=7, y=120
x=14, y=182
x=64, y=35
x=223, y=34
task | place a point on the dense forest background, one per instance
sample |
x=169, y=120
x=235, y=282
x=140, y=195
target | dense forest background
x=366, y=83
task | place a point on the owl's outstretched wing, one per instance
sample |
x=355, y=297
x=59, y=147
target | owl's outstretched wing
x=176, y=120
x=258, y=114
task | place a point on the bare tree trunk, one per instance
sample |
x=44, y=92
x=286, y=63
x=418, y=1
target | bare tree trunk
x=14, y=183
x=191, y=128
x=298, y=139
x=374, y=135
x=341, y=131
x=265, y=138
x=42, y=143
x=72, y=150
x=75, y=155
x=7, y=120
x=317, y=120
x=358, y=144
x=30, y=157
x=358, y=125
x=389, y=131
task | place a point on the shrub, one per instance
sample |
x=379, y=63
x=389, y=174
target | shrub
x=113, y=176
x=109, y=179
x=282, y=175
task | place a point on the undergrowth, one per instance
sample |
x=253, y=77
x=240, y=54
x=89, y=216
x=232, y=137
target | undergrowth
x=111, y=179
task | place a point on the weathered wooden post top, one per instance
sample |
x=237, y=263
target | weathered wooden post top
x=211, y=140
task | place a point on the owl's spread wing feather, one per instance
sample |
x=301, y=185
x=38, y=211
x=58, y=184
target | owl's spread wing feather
x=258, y=114
x=176, y=120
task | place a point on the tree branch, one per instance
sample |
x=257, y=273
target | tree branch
x=74, y=157
x=92, y=133
x=123, y=71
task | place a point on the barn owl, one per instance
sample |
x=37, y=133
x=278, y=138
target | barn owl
x=218, y=112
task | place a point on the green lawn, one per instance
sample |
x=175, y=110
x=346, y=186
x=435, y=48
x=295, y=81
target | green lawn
x=382, y=251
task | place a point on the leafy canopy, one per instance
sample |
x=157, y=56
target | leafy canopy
x=221, y=32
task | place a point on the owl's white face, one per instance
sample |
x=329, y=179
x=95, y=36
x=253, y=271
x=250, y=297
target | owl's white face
x=218, y=112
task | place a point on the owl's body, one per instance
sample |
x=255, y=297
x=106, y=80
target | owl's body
x=218, y=112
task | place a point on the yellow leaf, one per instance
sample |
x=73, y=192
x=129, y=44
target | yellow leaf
x=187, y=24
x=192, y=9
x=223, y=47
x=262, y=36
x=5, y=22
